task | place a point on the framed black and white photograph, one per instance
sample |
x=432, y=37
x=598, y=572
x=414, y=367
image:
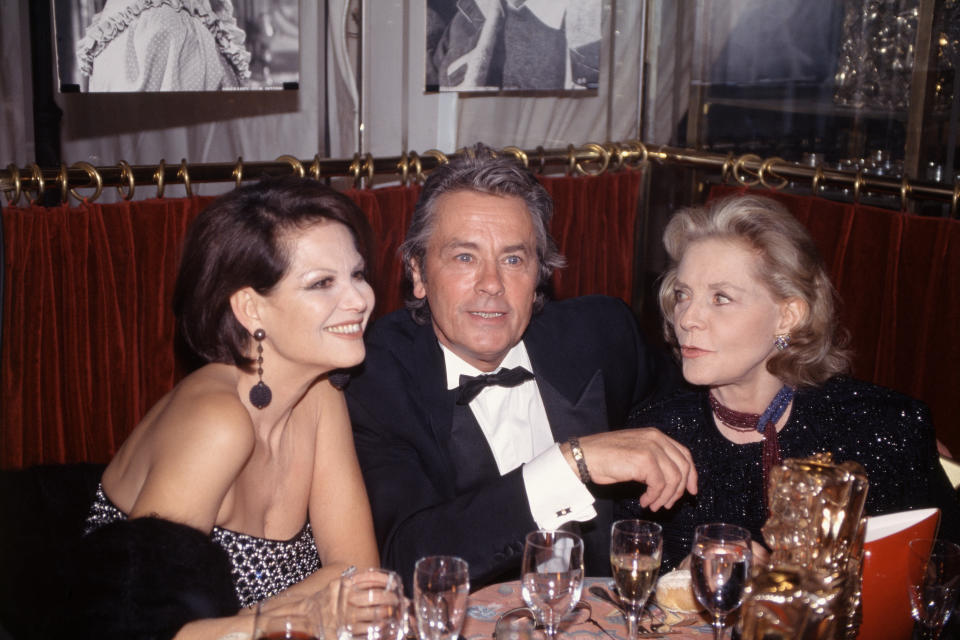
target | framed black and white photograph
x=513, y=45
x=131, y=46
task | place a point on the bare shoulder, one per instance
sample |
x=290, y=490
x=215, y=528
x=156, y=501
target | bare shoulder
x=205, y=410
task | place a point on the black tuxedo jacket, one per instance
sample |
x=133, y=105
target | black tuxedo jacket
x=432, y=479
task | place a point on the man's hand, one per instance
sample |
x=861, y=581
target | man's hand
x=639, y=455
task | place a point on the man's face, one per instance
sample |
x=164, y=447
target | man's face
x=479, y=275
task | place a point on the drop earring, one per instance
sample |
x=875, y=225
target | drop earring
x=782, y=341
x=260, y=394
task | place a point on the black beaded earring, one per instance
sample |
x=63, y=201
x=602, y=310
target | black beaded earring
x=260, y=394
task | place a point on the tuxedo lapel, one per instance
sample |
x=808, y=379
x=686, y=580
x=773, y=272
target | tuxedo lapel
x=469, y=458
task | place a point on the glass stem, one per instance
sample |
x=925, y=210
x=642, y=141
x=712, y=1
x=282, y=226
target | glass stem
x=718, y=621
x=633, y=620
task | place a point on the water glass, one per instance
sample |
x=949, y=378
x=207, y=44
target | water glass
x=371, y=606
x=934, y=583
x=440, y=588
x=552, y=576
x=719, y=566
x=635, y=550
x=286, y=617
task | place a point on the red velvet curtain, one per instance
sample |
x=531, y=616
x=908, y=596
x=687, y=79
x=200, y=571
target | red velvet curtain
x=899, y=278
x=87, y=342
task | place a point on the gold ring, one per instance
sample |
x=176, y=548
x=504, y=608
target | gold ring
x=237, y=173
x=96, y=181
x=62, y=178
x=37, y=176
x=817, y=179
x=541, y=160
x=857, y=185
x=126, y=172
x=740, y=164
x=604, y=163
x=904, y=193
x=642, y=149
x=519, y=154
x=294, y=162
x=956, y=197
x=616, y=155
x=357, y=166
x=15, y=177
x=439, y=155
x=767, y=168
x=184, y=175
x=368, y=165
x=158, y=177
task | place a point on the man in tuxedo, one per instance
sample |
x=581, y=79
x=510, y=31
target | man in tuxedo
x=459, y=464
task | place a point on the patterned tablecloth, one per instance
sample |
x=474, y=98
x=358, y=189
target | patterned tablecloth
x=604, y=622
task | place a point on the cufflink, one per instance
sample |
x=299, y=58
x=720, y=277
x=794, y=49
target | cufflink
x=563, y=512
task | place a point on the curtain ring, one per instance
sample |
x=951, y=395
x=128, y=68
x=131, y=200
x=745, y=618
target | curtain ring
x=767, y=168
x=15, y=178
x=96, y=181
x=418, y=175
x=616, y=154
x=158, y=177
x=857, y=185
x=604, y=160
x=315, y=167
x=740, y=164
x=519, y=154
x=62, y=179
x=956, y=197
x=642, y=148
x=355, y=170
x=817, y=180
x=540, y=159
x=727, y=168
x=571, y=159
x=439, y=155
x=184, y=175
x=237, y=173
x=404, y=168
x=904, y=193
x=36, y=175
x=125, y=172
x=368, y=165
x=293, y=162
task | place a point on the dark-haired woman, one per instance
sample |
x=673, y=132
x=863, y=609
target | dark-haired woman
x=254, y=448
x=749, y=308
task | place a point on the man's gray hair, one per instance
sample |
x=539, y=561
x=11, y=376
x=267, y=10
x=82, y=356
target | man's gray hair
x=481, y=170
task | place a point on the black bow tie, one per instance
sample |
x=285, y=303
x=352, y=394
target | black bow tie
x=470, y=386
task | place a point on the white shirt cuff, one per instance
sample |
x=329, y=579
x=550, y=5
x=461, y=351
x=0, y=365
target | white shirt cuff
x=554, y=491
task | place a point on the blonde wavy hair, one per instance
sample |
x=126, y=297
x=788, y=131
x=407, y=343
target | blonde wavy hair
x=790, y=267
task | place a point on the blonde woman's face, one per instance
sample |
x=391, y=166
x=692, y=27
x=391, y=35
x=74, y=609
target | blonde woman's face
x=725, y=318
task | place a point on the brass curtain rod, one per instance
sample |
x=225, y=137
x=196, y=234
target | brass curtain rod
x=588, y=159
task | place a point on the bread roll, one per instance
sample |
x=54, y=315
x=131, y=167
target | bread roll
x=675, y=592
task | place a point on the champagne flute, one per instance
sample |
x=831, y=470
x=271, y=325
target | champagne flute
x=371, y=606
x=552, y=576
x=635, y=550
x=719, y=565
x=934, y=583
x=440, y=588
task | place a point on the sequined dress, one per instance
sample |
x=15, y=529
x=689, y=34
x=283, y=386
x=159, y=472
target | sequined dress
x=890, y=434
x=261, y=567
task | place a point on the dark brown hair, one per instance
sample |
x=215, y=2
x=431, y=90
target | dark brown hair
x=239, y=241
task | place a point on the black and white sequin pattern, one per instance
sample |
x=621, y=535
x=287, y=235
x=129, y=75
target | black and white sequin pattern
x=890, y=434
x=261, y=567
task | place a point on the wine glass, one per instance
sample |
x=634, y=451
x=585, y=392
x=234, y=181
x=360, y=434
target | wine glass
x=440, y=588
x=720, y=561
x=635, y=550
x=934, y=583
x=552, y=576
x=286, y=617
x=371, y=606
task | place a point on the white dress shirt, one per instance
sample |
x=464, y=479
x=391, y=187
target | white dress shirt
x=515, y=424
